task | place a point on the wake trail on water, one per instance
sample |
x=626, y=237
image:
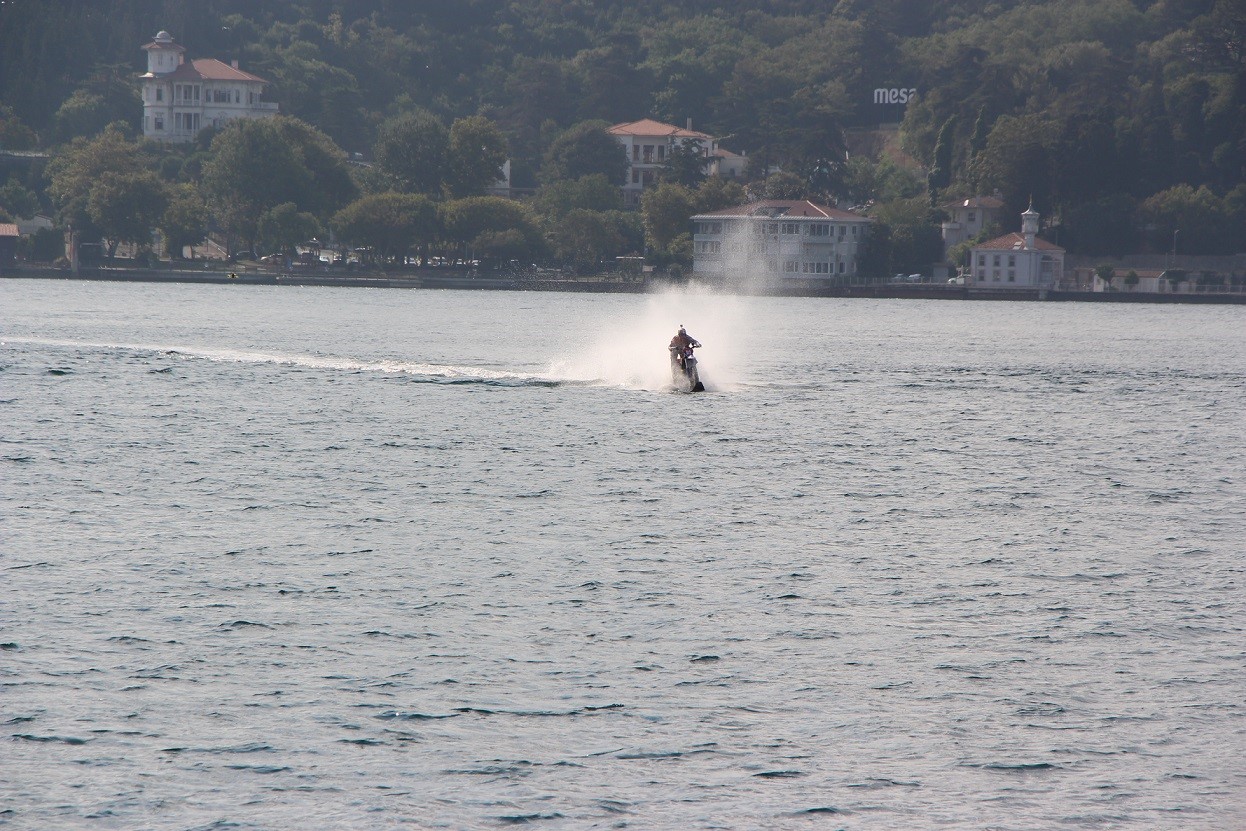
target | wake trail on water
x=415, y=370
x=628, y=352
x=631, y=352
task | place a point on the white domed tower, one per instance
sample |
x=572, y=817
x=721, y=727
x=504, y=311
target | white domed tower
x=1029, y=226
x=163, y=55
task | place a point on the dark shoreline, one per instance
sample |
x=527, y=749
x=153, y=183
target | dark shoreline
x=613, y=284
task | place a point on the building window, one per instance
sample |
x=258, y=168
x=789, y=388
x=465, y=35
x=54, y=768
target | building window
x=841, y=266
x=159, y=122
x=972, y=216
x=996, y=263
x=981, y=276
x=1012, y=260
x=635, y=152
x=981, y=259
x=1012, y=276
x=819, y=229
x=159, y=93
x=791, y=228
x=237, y=96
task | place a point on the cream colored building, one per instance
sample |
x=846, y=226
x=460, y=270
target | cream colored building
x=180, y=98
x=648, y=145
x=969, y=217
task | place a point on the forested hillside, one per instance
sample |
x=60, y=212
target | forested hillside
x=1122, y=120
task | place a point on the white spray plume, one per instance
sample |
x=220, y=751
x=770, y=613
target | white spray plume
x=632, y=353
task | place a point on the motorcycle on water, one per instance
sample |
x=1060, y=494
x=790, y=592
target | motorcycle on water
x=684, y=373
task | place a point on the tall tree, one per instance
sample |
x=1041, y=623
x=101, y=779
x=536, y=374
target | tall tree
x=391, y=224
x=583, y=150
x=126, y=207
x=411, y=149
x=255, y=165
x=477, y=153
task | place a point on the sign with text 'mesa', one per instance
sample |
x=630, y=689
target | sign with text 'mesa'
x=894, y=96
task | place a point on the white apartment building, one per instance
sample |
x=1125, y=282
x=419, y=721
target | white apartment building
x=787, y=239
x=181, y=98
x=1017, y=260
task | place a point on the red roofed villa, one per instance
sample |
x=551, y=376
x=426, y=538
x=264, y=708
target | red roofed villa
x=1017, y=260
x=648, y=144
x=180, y=98
x=787, y=238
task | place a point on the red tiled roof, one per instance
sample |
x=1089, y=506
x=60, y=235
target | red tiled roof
x=649, y=127
x=8, y=230
x=207, y=69
x=781, y=208
x=1016, y=242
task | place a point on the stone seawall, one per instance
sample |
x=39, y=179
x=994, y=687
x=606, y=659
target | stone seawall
x=499, y=281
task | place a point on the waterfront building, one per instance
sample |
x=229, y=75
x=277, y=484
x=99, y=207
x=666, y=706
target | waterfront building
x=180, y=98
x=788, y=239
x=1017, y=260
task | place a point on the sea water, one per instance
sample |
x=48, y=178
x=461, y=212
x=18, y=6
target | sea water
x=284, y=558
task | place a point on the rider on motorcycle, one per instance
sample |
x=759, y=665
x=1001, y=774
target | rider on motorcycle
x=682, y=345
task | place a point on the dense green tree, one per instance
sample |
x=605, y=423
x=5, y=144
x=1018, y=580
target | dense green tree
x=284, y=226
x=411, y=149
x=255, y=165
x=18, y=200
x=464, y=221
x=667, y=210
x=1017, y=162
x=15, y=135
x=1193, y=221
x=940, y=175
x=592, y=193
x=391, y=224
x=476, y=154
x=110, y=97
x=584, y=238
x=82, y=164
x=781, y=185
x=320, y=93
x=127, y=207
x=686, y=163
x=185, y=220
x=583, y=150
x=716, y=193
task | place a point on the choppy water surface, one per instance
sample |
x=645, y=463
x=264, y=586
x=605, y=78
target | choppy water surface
x=382, y=559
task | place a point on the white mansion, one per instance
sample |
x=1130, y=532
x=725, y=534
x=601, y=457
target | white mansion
x=180, y=98
x=1017, y=260
x=649, y=144
x=790, y=239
